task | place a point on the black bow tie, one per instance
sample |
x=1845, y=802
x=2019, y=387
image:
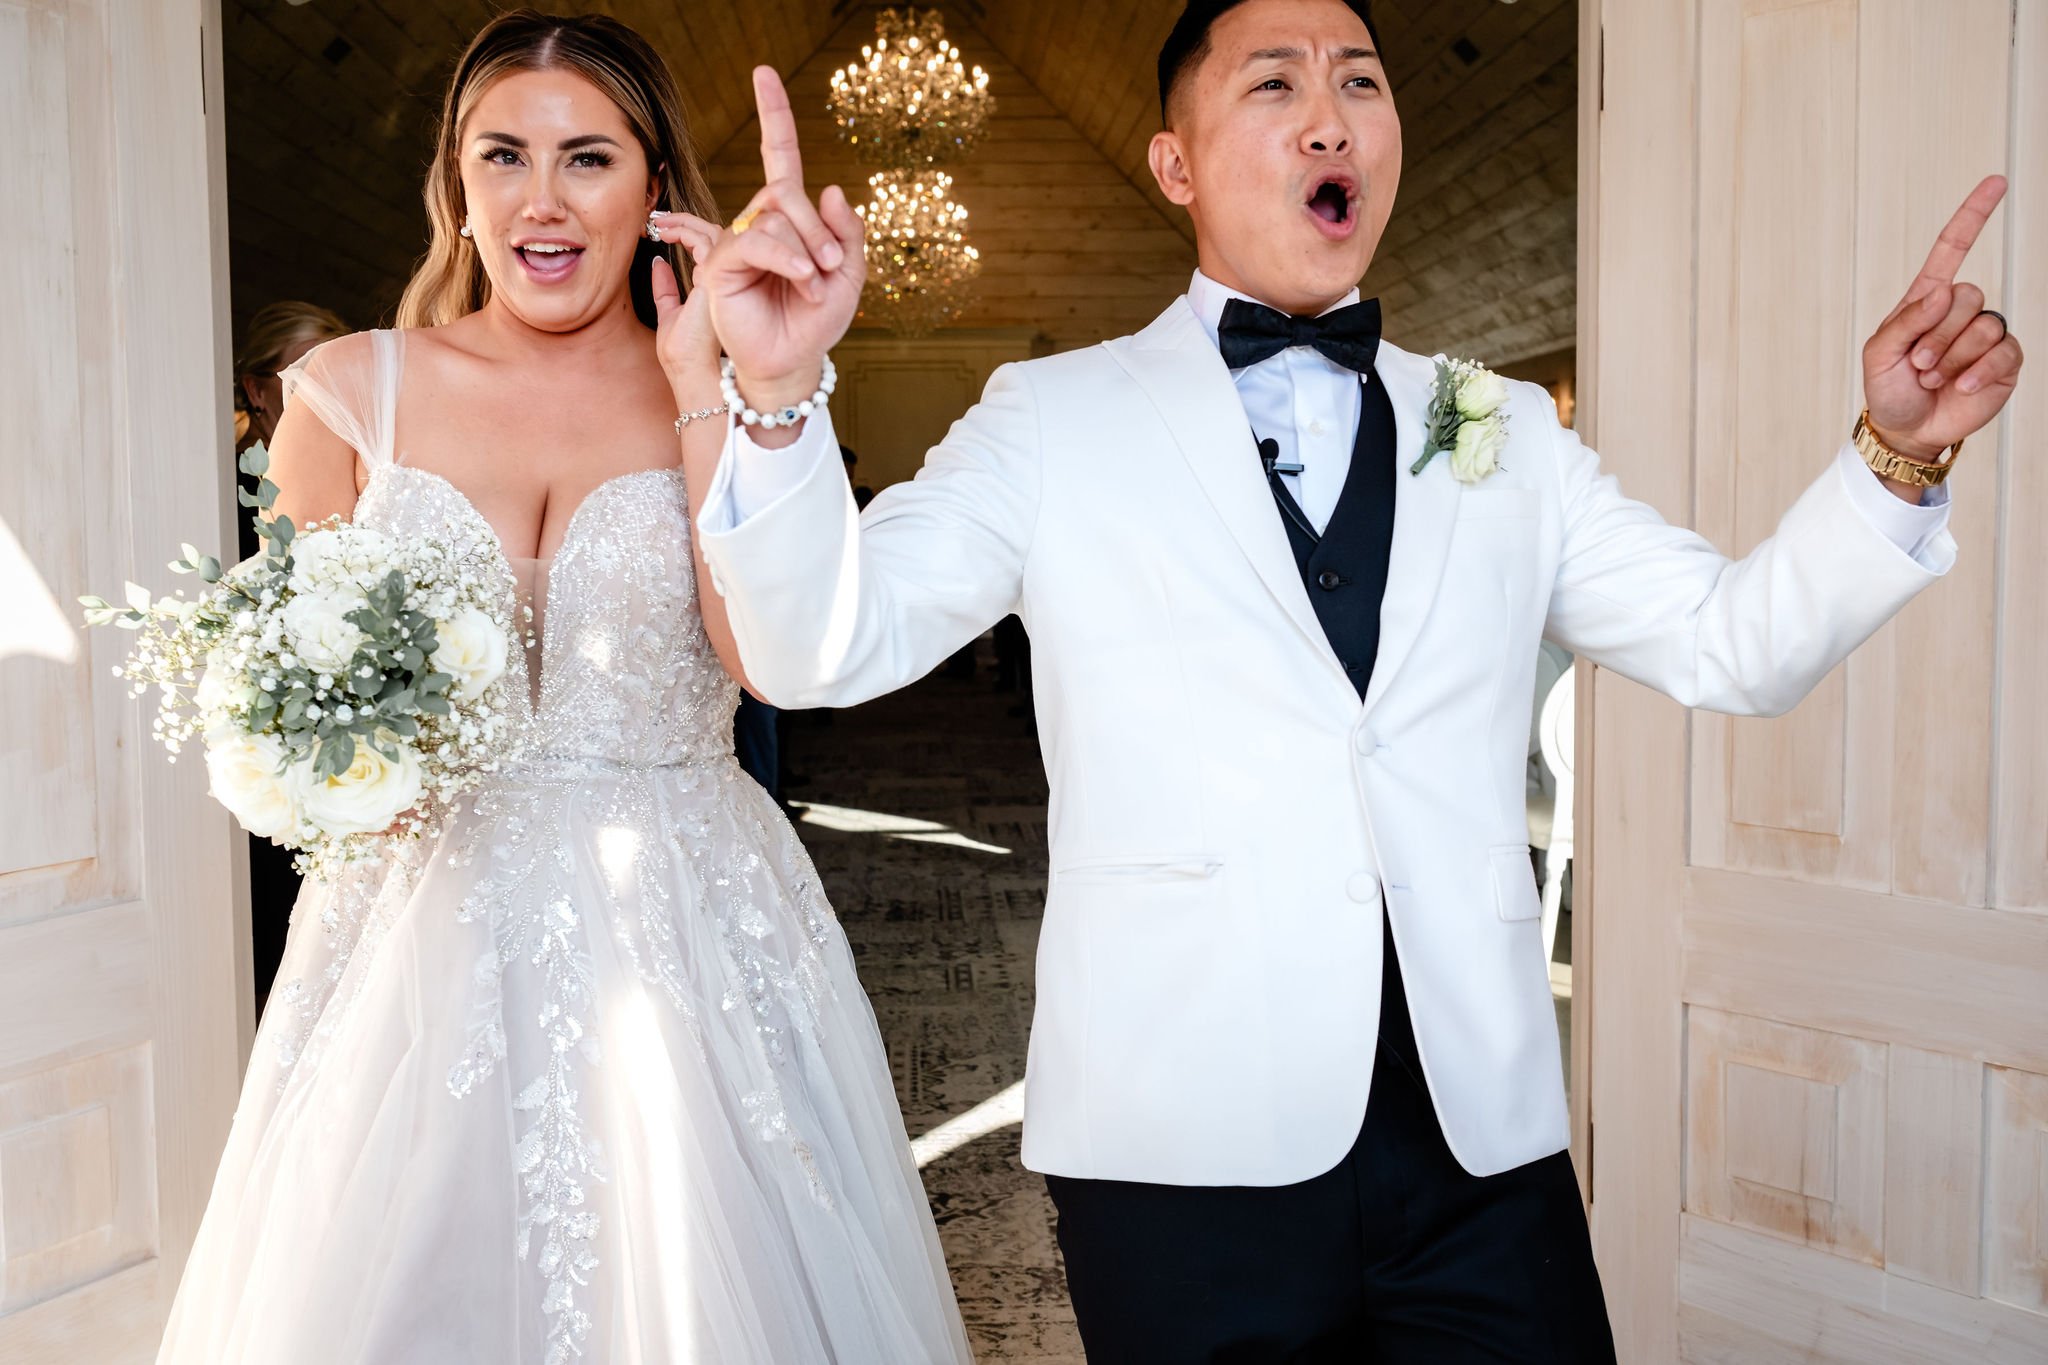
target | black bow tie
x=1251, y=332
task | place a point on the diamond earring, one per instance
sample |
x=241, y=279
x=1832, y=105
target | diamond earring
x=653, y=229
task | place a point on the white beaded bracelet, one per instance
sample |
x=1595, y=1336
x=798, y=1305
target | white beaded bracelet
x=788, y=417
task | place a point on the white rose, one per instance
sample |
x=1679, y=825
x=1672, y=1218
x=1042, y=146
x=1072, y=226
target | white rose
x=350, y=554
x=320, y=632
x=470, y=647
x=242, y=773
x=371, y=793
x=1480, y=395
x=1477, y=453
x=223, y=696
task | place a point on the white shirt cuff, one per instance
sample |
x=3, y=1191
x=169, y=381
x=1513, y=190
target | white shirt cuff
x=750, y=480
x=1909, y=527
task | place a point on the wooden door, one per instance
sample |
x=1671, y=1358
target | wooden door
x=120, y=1021
x=1819, y=944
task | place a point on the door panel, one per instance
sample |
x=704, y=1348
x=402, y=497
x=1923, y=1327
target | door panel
x=1819, y=1070
x=120, y=1004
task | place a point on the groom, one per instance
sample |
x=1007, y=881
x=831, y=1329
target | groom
x=1293, y=1077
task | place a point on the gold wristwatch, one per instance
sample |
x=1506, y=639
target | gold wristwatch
x=1889, y=464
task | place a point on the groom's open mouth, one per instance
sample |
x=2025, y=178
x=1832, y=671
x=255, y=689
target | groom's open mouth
x=1333, y=204
x=548, y=259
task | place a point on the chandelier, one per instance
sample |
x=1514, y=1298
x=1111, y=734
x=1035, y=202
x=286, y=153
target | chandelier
x=919, y=260
x=910, y=102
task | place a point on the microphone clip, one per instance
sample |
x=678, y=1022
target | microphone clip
x=1269, y=456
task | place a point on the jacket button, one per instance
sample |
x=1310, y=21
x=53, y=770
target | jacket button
x=1367, y=742
x=1362, y=887
x=1329, y=580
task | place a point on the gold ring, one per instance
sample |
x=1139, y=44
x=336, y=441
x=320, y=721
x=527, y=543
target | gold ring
x=745, y=220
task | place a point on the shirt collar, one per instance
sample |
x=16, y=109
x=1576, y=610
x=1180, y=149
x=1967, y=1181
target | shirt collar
x=1207, y=298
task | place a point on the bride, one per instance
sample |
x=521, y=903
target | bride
x=591, y=1077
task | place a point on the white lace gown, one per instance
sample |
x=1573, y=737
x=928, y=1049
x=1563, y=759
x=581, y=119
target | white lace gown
x=592, y=1079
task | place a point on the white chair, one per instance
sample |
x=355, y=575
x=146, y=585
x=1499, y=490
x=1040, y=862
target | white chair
x=1557, y=731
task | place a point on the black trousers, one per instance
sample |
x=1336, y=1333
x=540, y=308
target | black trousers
x=1396, y=1256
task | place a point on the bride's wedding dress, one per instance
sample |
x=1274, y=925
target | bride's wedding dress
x=591, y=1078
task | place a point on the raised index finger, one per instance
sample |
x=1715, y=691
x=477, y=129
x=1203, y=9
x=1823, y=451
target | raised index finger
x=780, y=159
x=1961, y=233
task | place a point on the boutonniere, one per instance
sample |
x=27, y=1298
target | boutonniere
x=1467, y=420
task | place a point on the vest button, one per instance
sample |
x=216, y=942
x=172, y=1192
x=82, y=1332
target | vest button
x=1329, y=580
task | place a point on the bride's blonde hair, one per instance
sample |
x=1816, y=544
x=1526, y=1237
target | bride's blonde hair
x=449, y=281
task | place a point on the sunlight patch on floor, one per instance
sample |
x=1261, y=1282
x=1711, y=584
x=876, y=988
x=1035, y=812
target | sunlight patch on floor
x=999, y=1111
x=850, y=820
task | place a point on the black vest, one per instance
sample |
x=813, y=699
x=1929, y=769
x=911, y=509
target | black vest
x=1345, y=572
x=1345, y=568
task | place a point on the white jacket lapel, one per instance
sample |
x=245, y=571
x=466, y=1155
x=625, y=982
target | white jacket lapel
x=1425, y=510
x=1179, y=369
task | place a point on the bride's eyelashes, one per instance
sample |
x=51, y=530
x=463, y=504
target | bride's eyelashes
x=587, y=159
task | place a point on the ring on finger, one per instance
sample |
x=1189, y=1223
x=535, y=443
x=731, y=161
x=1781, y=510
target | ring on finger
x=745, y=220
x=2004, y=328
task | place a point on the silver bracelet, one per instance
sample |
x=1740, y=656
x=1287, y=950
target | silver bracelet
x=699, y=416
x=828, y=379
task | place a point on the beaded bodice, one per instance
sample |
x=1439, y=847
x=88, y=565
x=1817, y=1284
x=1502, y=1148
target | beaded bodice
x=627, y=677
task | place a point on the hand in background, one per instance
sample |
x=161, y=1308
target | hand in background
x=684, y=339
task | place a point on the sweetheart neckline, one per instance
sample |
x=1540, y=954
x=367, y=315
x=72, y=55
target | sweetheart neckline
x=498, y=541
x=531, y=703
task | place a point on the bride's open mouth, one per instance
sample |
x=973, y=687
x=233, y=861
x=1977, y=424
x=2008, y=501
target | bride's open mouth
x=548, y=259
x=1333, y=205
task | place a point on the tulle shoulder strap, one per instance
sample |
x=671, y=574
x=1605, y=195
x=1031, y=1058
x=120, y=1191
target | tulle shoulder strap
x=351, y=385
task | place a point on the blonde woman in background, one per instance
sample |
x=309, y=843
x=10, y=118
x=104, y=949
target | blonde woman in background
x=277, y=337
x=590, y=1077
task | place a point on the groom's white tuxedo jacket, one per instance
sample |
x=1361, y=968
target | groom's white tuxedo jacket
x=1227, y=818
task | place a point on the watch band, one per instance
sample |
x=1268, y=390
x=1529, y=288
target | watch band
x=1887, y=463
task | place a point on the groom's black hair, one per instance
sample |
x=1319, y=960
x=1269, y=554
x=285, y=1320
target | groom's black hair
x=1185, y=47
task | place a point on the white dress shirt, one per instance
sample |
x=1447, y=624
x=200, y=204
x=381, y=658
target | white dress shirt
x=1299, y=398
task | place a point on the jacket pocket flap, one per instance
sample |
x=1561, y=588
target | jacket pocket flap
x=1130, y=870
x=1514, y=883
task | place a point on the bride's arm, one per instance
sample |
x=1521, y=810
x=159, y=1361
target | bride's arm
x=703, y=440
x=689, y=355
x=314, y=469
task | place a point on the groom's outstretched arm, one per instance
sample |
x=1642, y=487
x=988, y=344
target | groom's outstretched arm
x=826, y=613
x=1753, y=636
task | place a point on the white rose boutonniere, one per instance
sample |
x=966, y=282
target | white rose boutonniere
x=1468, y=420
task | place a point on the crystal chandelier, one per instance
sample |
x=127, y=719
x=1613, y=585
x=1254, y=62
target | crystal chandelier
x=910, y=102
x=919, y=260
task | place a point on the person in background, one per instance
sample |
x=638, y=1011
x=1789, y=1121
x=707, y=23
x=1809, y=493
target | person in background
x=276, y=336
x=862, y=494
x=757, y=743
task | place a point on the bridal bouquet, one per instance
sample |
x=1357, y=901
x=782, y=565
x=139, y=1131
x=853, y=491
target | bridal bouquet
x=343, y=686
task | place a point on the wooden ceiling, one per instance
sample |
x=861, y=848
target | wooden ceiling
x=331, y=105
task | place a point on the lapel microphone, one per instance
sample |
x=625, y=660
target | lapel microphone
x=1269, y=456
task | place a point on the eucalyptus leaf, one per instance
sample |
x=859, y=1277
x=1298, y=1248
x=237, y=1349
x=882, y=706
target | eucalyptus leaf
x=435, y=706
x=255, y=461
